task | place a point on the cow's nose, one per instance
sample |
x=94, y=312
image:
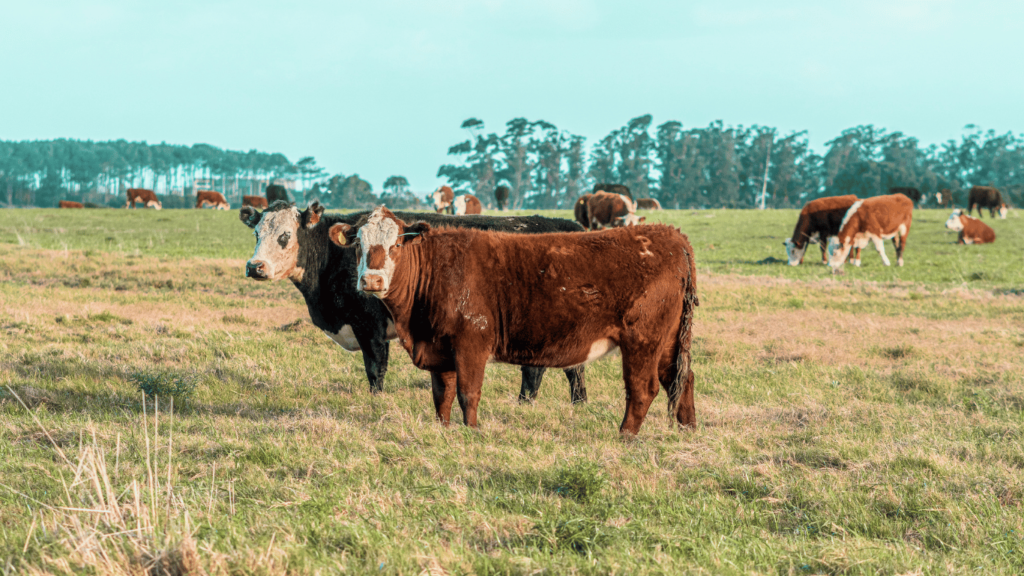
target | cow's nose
x=255, y=269
x=372, y=283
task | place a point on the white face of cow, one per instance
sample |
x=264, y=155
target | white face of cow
x=380, y=241
x=795, y=254
x=938, y=197
x=955, y=223
x=277, y=245
x=1002, y=211
x=460, y=205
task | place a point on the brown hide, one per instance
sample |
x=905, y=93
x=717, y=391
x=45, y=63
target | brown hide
x=984, y=197
x=648, y=204
x=875, y=218
x=69, y=204
x=473, y=205
x=606, y=210
x=580, y=210
x=975, y=231
x=140, y=196
x=822, y=217
x=446, y=197
x=214, y=199
x=462, y=297
x=254, y=201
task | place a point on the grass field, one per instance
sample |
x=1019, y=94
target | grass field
x=870, y=423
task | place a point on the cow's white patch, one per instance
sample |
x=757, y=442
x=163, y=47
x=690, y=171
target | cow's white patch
x=378, y=231
x=278, y=261
x=460, y=205
x=599, y=348
x=955, y=221
x=849, y=214
x=345, y=338
x=1002, y=212
x=938, y=197
x=879, y=242
x=438, y=198
x=794, y=254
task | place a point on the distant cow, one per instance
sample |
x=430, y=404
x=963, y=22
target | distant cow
x=210, y=198
x=461, y=298
x=466, y=204
x=580, y=210
x=944, y=198
x=501, y=196
x=613, y=189
x=972, y=230
x=69, y=204
x=605, y=210
x=442, y=199
x=276, y=192
x=819, y=220
x=648, y=204
x=254, y=201
x=986, y=197
x=296, y=245
x=874, y=220
x=142, y=196
x=909, y=191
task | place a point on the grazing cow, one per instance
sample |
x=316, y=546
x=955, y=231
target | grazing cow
x=254, y=201
x=142, y=196
x=819, y=220
x=461, y=298
x=986, y=197
x=580, y=211
x=442, y=198
x=606, y=210
x=296, y=245
x=874, y=220
x=972, y=230
x=501, y=196
x=276, y=192
x=69, y=204
x=613, y=189
x=944, y=198
x=210, y=198
x=648, y=204
x=466, y=204
x=909, y=191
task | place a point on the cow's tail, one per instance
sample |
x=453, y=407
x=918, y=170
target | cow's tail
x=680, y=388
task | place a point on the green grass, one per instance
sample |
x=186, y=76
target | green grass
x=863, y=424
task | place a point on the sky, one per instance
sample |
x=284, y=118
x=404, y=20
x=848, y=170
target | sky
x=381, y=88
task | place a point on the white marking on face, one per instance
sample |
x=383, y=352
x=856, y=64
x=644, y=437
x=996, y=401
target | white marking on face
x=276, y=244
x=938, y=197
x=955, y=222
x=438, y=198
x=794, y=254
x=1002, y=212
x=380, y=231
x=599, y=348
x=460, y=205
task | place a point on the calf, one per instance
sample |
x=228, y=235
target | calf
x=442, y=198
x=254, y=201
x=605, y=210
x=462, y=297
x=972, y=230
x=986, y=197
x=467, y=204
x=296, y=245
x=819, y=220
x=874, y=220
x=580, y=211
x=210, y=198
x=142, y=196
x=69, y=204
x=648, y=204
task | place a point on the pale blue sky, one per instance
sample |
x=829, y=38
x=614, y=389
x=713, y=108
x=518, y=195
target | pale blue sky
x=380, y=88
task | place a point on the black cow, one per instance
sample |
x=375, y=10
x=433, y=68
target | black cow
x=910, y=192
x=613, y=188
x=296, y=245
x=986, y=197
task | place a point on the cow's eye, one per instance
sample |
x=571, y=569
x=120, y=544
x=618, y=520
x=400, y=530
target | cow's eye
x=283, y=239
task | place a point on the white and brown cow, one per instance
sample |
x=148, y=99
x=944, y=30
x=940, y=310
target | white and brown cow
x=607, y=210
x=874, y=220
x=972, y=230
x=648, y=204
x=255, y=202
x=819, y=220
x=442, y=199
x=466, y=204
x=210, y=198
x=142, y=196
x=461, y=298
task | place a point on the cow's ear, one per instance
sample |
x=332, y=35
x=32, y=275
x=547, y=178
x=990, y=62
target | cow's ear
x=311, y=217
x=249, y=216
x=342, y=234
x=415, y=232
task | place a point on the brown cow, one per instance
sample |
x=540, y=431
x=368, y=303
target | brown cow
x=70, y=204
x=874, y=220
x=580, y=211
x=972, y=230
x=819, y=220
x=461, y=298
x=612, y=189
x=443, y=198
x=944, y=198
x=142, y=196
x=606, y=210
x=467, y=204
x=648, y=204
x=211, y=198
x=986, y=197
x=254, y=201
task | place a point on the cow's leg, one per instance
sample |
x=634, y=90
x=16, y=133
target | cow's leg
x=900, y=247
x=442, y=385
x=470, y=369
x=640, y=371
x=375, y=348
x=577, y=385
x=880, y=246
x=531, y=383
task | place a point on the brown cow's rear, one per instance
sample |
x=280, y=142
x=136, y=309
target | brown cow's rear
x=462, y=297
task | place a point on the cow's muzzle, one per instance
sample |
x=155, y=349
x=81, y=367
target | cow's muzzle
x=256, y=269
x=371, y=283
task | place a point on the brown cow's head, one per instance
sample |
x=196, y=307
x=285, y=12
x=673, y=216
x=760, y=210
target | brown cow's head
x=277, y=246
x=380, y=239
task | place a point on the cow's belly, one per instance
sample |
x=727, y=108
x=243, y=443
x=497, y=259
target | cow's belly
x=558, y=355
x=345, y=338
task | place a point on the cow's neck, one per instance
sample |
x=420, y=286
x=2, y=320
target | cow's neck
x=322, y=284
x=410, y=283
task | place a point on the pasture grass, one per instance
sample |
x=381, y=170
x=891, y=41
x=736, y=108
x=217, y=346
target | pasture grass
x=862, y=424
